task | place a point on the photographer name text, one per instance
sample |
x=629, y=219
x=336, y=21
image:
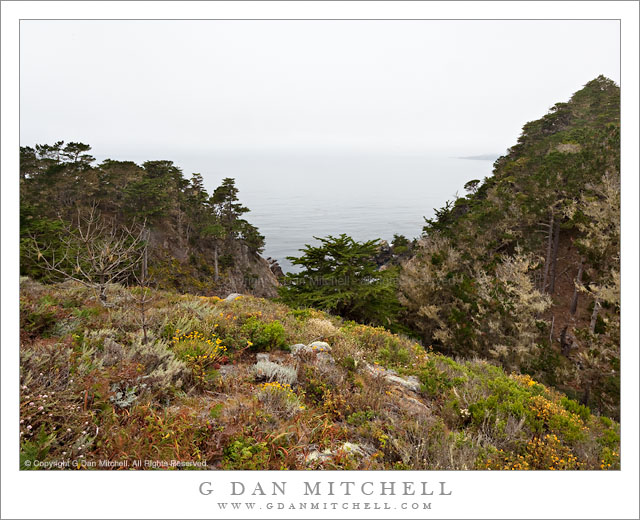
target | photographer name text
x=327, y=488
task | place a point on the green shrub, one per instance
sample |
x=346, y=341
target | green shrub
x=610, y=439
x=609, y=459
x=349, y=363
x=36, y=449
x=245, y=453
x=506, y=398
x=572, y=406
x=606, y=421
x=215, y=411
x=38, y=319
x=201, y=353
x=265, y=336
x=361, y=417
x=434, y=381
x=393, y=353
x=301, y=314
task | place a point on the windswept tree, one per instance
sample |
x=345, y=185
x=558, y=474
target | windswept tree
x=228, y=207
x=228, y=226
x=77, y=153
x=341, y=276
x=93, y=251
x=57, y=175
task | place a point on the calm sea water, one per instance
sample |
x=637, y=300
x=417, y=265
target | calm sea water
x=296, y=197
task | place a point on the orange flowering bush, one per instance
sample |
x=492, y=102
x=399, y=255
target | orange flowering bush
x=550, y=416
x=524, y=380
x=280, y=398
x=610, y=459
x=540, y=453
x=201, y=353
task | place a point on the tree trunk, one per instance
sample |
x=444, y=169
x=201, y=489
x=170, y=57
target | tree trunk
x=576, y=284
x=103, y=294
x=143, y=311
x=180, y=223
x=565, y=346
x=145, y=261
x=554, y=259
x=594, y=316
x=548, y=258
x=144, y=282
x=216, y=274
x=587, y=395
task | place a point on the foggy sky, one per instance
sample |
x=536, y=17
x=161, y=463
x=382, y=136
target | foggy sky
x=189, y=89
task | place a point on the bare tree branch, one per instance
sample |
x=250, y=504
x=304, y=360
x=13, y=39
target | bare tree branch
x=96, y=252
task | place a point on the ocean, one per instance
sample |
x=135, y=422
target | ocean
x=296, y=197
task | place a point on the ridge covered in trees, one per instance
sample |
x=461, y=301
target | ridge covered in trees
x=197, y=242
x=525, y=269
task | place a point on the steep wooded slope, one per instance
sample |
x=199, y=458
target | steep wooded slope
x=197, y=242
x=525, y=268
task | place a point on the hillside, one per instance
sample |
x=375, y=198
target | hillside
x=247, y=383
x=525, y=269
x=197, y=242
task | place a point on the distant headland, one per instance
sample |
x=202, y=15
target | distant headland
x=483, y=157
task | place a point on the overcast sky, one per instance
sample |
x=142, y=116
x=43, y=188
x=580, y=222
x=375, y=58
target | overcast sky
x=173, y=89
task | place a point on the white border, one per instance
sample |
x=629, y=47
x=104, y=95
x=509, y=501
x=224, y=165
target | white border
x=174, y=494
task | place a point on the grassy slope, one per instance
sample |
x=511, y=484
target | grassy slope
x=90, y=387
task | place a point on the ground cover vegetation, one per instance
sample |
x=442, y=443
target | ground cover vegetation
x=248, y=383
